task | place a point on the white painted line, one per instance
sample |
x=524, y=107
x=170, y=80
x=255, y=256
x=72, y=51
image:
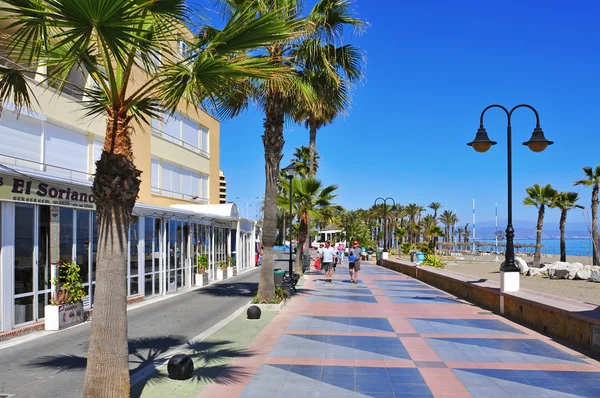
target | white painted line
x=162, y=359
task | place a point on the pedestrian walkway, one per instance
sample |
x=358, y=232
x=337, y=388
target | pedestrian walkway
x=393, y=336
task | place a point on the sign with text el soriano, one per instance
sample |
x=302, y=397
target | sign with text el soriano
x=36, y=191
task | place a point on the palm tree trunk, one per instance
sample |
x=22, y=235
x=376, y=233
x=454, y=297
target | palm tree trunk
x=273, y=143
x=538, y=237
x=563, y=222
x=302, y=233
x=595, y=234
x=312, y=146
x=116, y=186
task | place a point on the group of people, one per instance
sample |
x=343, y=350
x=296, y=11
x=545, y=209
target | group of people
x=330, y=256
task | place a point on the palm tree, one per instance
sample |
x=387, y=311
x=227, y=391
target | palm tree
x=109, y=41
x=446, y=219
x=435, y=206
x=317, y=34
x=413, y=211
x=540, y=197
x=565, y=201
x=331, y=90
x=466, y=233
x=460, y=232
x=593, y=180
x=309, y=198
x=302, y=159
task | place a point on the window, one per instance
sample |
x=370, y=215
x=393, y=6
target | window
x=155, y=186
x=204, y=192
x=60, y=141
x=21, y=140
x=98, y=145
x=182, y=131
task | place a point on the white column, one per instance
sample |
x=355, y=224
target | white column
x=238, y=257
x=212, y=252
x=7, y=266
x=228, y=242
x=141, y=257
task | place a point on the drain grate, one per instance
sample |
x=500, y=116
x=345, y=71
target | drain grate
x=485, y=313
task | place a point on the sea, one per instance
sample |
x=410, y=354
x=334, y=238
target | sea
x=574, y=246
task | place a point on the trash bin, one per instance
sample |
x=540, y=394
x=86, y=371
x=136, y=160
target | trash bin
x=420, y=257
x=278, y=276
x=305, y=262
x=379, y=257
x=412, y=257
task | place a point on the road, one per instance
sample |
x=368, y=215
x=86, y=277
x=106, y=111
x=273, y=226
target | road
x=54, y=365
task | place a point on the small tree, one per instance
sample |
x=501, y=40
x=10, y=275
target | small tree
x=565, y=201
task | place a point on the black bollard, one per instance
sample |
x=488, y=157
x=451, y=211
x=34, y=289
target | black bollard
x=180, y=367
x=253, y=312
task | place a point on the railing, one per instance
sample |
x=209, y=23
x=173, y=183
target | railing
x=39, y=166
x=178, y=195
x=180, y=142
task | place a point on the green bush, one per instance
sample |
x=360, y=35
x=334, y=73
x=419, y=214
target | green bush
x=280, y=295
x=405, y=248
x=433, y=261
x=424, y=248
x=70, y=285
x=222, y=265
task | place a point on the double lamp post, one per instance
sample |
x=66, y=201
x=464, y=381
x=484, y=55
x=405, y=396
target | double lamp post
x=509, y=271
x=385, y=255
x=290, y=172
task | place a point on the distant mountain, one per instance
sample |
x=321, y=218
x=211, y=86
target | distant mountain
x=526, y=229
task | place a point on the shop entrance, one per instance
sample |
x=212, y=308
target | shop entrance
x=178, y=256
x=32, y=265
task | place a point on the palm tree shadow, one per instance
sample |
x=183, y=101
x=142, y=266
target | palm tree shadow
x=211, y=365
x=144, y=351
x=210, y=359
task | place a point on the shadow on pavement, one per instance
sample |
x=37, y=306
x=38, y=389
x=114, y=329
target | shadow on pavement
x=145, y=350
x=237, y=289
x=211, y=365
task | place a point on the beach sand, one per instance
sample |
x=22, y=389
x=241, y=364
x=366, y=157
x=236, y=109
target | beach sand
x=486, y=267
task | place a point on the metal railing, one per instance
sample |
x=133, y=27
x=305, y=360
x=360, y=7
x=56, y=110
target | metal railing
x=179, y=141
x=178, y=195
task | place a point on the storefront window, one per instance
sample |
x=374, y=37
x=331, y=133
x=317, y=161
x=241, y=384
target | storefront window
x=43, y=276
x=157, y=256
x=133, y=257
x=83, y=244
x=94, y=244
x=148, y=254
x=24, y=241
x=23, y=310
x=66, y=234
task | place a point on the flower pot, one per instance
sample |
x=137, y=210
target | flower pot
x=221, y=274
x=202, y=279
x=58, y=317
x=230, y=272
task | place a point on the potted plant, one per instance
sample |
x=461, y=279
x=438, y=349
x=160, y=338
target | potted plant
x=201, y=266
x=231, y=268
x=66, y=306
x=222, y=271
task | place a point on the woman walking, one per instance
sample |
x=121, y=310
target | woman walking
x=354, y=262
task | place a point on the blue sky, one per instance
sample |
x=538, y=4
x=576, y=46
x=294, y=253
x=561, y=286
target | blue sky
x=432, y=66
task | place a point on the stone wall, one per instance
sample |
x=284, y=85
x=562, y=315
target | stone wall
x=563, y=318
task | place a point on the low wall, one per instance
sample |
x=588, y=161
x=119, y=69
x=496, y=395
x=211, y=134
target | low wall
x=564, y=318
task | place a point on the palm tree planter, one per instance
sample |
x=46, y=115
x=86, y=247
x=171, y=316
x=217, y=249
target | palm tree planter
x=231, y=269
x=66, y=307
x=201, y=278
x=222, y=272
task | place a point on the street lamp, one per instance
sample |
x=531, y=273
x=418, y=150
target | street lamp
x=290, y=172
x=247, y=204
x=509, y=271
x=384, y=255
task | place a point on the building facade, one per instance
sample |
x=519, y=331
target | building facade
x=47, y=212
x=222, y=187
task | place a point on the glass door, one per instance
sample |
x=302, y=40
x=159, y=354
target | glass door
x=25, y=242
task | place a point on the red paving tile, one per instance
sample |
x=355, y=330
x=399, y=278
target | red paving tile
x=441, y=381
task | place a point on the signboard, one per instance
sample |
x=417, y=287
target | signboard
x=31, y=190
x=54, y=235
x=69, y=315
x=596, y=337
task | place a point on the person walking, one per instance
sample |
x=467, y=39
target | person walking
x=354, y=262
x=327, y=255
x=340, y=248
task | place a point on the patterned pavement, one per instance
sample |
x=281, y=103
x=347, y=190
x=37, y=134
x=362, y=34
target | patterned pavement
x=391, y=336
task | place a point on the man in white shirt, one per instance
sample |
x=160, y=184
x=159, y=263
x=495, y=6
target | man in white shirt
x=328, y=254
